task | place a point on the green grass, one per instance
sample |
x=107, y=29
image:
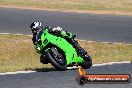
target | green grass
x=101, y=5
x=17, y=53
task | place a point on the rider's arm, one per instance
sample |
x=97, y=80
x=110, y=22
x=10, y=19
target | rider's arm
x=60, y=32
x=34, y=40
x=54, y=31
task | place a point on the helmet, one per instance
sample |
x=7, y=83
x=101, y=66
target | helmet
x=36, y=26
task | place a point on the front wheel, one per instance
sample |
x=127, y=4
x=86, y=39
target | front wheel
x=56, y=59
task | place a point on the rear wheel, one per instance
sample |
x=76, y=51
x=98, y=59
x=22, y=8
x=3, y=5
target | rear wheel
x=87, y=63
x=57, y=59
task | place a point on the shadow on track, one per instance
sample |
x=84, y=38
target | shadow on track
x=47, y=69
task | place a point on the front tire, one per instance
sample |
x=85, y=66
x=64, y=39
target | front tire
x=56, y=64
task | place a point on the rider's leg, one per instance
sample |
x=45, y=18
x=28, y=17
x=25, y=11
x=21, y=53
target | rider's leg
x=70, y=38
x=81, y=52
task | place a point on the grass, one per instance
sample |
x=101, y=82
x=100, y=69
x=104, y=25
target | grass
x=17, y=53
x=107, y=52
x=99, y=5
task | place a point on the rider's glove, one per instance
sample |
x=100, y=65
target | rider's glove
x=57, y=29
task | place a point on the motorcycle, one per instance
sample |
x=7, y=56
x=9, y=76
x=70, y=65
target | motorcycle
x=58, y=51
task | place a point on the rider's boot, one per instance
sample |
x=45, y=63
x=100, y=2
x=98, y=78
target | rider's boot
x=80, y=51
x=70, y=38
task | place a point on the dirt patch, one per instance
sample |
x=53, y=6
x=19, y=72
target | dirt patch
x=77, y=11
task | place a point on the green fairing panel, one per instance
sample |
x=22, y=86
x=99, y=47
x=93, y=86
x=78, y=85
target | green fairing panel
x=63, y=44
x=71, y=55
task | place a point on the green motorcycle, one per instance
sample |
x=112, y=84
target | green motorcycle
x=58, y=51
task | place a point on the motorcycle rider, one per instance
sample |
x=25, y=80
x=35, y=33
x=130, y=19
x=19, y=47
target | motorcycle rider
x=37, y=27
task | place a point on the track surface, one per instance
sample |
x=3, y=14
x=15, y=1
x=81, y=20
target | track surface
x=110, y=28
x=63, y=79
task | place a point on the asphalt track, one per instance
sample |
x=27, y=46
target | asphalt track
x=63, y=79
x=105, y=28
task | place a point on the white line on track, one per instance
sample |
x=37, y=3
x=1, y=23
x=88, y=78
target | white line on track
x=74, y=67
x=13, y=34
x=103, y=64
x=116, y=43
x=18, y=72
x=111, y=63
x=5, y=33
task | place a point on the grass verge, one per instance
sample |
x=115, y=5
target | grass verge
x=17, y=53
x=125, y=6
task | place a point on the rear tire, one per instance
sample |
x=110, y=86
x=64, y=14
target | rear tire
x=87, y=64
x=57, y=65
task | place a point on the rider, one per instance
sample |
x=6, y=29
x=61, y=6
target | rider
x=37, y=27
